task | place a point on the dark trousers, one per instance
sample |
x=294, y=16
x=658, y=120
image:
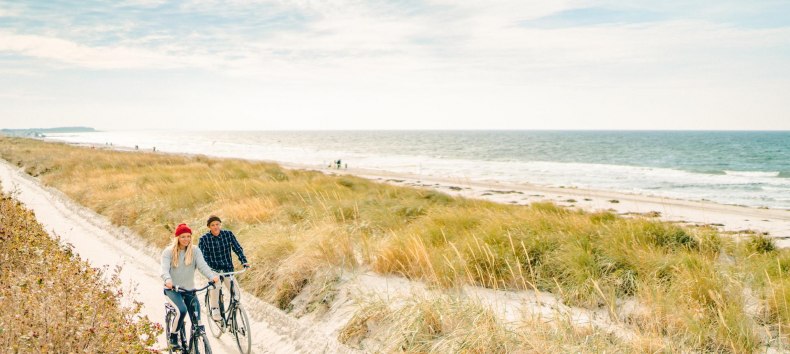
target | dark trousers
x=185, y=303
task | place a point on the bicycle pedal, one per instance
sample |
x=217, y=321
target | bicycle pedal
x=177, y=349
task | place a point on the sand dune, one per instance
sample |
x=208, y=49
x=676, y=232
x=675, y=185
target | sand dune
x=103, y=244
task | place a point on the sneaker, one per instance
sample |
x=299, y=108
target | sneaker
x=215, y=315
x=174, y=342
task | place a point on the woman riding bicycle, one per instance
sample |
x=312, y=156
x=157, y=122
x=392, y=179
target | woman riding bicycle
x=179, y=262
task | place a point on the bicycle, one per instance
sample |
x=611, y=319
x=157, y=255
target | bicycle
x=236, y=322
x=197, y=338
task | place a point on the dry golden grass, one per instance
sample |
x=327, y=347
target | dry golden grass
x=447, y=324
x=294, y=223
x=53, y=302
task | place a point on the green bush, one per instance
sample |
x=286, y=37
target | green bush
x=761, y=244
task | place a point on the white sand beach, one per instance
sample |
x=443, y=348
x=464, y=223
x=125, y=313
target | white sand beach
x=733, y=219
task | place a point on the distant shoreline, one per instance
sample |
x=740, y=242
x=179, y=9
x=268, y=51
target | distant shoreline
x=728, y=218
x=733, y=219
x=728, y=168
x=41, y=132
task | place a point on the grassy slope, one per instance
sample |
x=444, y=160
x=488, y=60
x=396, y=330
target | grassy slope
x=699, y=290
x=54, y=302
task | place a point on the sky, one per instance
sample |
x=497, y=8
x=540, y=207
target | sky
x=407, y=64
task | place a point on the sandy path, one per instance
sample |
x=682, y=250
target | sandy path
x=96, y=240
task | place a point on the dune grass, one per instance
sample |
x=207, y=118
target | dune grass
x=698, y=290
x=446, y=324
x=53, y=302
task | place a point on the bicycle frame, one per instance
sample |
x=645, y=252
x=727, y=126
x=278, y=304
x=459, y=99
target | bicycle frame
x=197, y=330
x=234, y=295
x=234, y=318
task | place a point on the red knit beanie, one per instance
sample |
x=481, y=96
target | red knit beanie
x=182, y=228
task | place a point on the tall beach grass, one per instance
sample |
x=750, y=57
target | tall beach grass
x=697, y=290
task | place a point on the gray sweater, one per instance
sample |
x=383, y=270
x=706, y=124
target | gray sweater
x=183, y=276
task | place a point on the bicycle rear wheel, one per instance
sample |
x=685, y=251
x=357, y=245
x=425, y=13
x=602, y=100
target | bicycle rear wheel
x=200, y=345
x=213, y=326
x=241, y=329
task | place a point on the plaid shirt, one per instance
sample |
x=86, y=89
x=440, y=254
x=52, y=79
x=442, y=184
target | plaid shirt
x=216, y=250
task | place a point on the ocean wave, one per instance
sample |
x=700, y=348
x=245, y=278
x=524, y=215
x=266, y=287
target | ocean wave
x=752, y=173
x=709, y=172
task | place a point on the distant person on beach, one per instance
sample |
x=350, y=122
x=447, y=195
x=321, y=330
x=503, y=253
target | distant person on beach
x=179, y=262
x=216, y=246
x=338, y=164
x=154, y=148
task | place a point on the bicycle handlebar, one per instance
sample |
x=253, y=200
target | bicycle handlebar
x=180, y=290
x=233, y=273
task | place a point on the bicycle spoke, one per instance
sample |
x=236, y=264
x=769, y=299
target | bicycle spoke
x=241, y=326
x=200, y=344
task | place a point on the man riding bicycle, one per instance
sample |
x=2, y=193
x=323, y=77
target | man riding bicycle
x=216, y=246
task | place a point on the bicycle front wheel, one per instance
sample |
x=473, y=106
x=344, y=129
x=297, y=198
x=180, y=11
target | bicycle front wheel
x=200, y=345
x=168, y=320
x=241, y=329
x=213, y=326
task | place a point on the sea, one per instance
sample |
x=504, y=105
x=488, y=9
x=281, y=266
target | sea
x=750, y=168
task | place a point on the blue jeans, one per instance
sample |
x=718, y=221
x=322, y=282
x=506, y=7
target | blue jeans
x=186, y=303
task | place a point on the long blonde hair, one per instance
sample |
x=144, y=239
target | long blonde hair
x=187, y=258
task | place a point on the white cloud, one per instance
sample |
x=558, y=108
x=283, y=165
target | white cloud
x=8, y=12
x=110, y=57
x=473, y=38
x=367, y=65
x=143, y=3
